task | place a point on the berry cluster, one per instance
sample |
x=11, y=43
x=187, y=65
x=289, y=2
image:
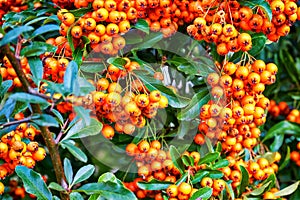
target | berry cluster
x=11, y=5
x=13, y=151
x=239, y=105
x=282, y=108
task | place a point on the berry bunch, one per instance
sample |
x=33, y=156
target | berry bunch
x=239, y=106
x=11, y=5
x=13, y=151
x=282, y=108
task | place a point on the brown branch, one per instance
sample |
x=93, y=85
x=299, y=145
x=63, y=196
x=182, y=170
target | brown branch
x=46, y=134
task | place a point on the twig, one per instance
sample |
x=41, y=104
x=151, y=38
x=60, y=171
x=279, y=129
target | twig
x=46, y=134
x=61, y=132
x=27, y=119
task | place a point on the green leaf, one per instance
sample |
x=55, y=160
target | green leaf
x=221, y=163
x=187, y=160
x=215, y=174
x=108, y=190
x=80, y=130
x=208, y=158
x=286, y=160
x=260, y=190
x=45, y=29
x=58, y=116
x=70, y=76
x=46, y=120
x=68, y=170
x=150, y=40
x=176, y=158
x=117, y=62
x=37, y=48
x=175, y=101
x=76, y=196
x=37, y=69
x=83, y=174
x=229, y=190
x=154, y=185
x=288, y=62
x=14, y=34
x=142, y=25
x=283, y=127
x=199, y=176
x=5, y=86
x=28, y=98
x=84, y=114
x=288, y=190
x=262, y=4
x=92, y=67
x=33, y=182
x=75, y=151
x=85, y=87
x=55, y=186
x=245, y=179
x=202, y=193
x=193, y=109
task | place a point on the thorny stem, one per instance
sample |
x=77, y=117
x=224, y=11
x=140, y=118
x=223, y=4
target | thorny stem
x=46, y=134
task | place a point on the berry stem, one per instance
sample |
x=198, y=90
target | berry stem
x=46, y=134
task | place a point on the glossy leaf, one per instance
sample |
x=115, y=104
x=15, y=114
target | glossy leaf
x=288, y=190
x=286, y=159
x=33, y=182
x=117, y=62
x=202, y=193
x=75, y=151
x=37, y=69
x=176, y=158
x=68, y=170
x=14, y=34
x=142, y=25
x=28, y=98
x=187, y=160
x=46, y=120
x=208, y=158
x=221, y=163
x=154, y=185
x=193, y=109
x=36, y=49
x=282, y=127
x=76, y=196
x=83, y=174
x=5, y=86
x=260, y=190
x=55, y=186
x=70, y=76
x=199, y=176
x=245, y=179
x=45, y=29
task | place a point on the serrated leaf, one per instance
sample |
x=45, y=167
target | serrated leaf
x=83, y=174
x=202, y=193
x=33, y=182
x=55, y=186
x=14, y=34
x=68, y=170
x=288, y=190
x=154, y=185
x=193, y=109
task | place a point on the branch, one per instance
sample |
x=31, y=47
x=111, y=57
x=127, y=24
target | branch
x=27, y=119
x=46, y=134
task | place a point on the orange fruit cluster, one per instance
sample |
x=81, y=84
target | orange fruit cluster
x=11, y=5
x=282, y=108
x=13, y=151
x=259, y=169
x=239, y=106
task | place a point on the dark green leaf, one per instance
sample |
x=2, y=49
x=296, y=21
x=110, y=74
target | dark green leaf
x=108, y=190
x=68, y=170
x=14, y=34
x=286, y=160
x=36, y=68
x=193, y=109
x=199, y=176
x=83, y=174
x=202, y=193
x=208, y=158
x=45, y=29
x=46, y=120
x=154, y=185
x=117, y=62
x=176, y=158
x=37, y=48
x=33, y=182
x=187, y=160
x=282, y=127
x=55, y=186
x=75, y=151
x=215, y=174
x=245, y=179
x=58, y=115
x=221, y=163
x=260, y=190
x=142, y=25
